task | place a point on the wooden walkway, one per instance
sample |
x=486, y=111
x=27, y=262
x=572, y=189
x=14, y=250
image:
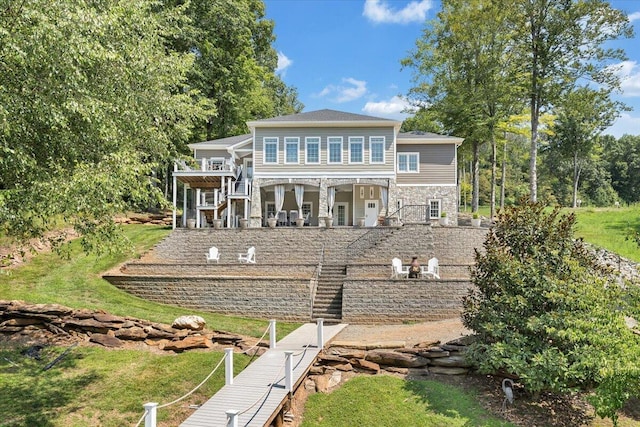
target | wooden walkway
x=252, y=386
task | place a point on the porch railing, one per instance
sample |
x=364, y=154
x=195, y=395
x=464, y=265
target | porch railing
x=409, y=214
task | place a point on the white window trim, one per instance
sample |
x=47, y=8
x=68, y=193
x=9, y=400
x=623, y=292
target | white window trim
x=306, y=149
x=292, y=140
x=408, y=155
x=439, y=208
x=269, y=140
x=266, y=210
x=330, y=141
x=356, y=140
x=371, y=142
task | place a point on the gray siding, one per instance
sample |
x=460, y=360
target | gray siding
x=200, y=154
x=437, y=164
x=323, y=133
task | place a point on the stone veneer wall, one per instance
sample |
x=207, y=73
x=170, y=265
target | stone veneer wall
x=396, y=301
x=256, y=297
x=418, y=195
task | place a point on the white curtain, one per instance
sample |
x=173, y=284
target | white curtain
x=279, y=193
x=299, y=188
x=384, y=198
x=331, y=198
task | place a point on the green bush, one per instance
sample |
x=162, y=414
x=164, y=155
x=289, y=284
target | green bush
x=544, y=311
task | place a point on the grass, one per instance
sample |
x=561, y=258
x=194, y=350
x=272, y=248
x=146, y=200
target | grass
x=77, y=283
x=389, y=401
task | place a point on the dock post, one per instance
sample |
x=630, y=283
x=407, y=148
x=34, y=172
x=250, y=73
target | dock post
x=272, y=333
x=152, y=410
x=320, y=333
x=232, y=418
x=288, y=371
x=228, y=366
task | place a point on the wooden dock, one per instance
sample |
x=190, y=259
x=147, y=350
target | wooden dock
x=251, y=393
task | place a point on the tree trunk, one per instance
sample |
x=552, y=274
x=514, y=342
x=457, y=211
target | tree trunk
x=494, y=160
x=533, y=152
x=576, y=179
x=475, y=200
x=503, y=178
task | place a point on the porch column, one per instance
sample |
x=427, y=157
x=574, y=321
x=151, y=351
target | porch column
x=255, y=220
x=393, y=196
x=185, y=190
x=323, y=206
x=175, y=196
x=197, y=206
x=228, y=203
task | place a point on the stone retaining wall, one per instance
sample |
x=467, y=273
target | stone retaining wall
x=397, y=301
x=281, y=298
x=377, y=271
x=219, y=270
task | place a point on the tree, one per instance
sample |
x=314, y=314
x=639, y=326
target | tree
x=461, y=72
x=544, y=311
x=623, y=158
x=90, y=102
x=235, y=65
x=560, y=42
x=580, y=118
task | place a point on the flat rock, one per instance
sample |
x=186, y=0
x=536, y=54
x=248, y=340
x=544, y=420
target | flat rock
x=393, y=358
x=90, y=325
x=105, y=340
x=433, y=354
x=366, y=365
x=369, y=346
x=108, y=318
x=447, y=371
x=330, y=359
x=188, y=343
x=21, y=321
x=454, y=361
x=349, y=353
x=136, y=333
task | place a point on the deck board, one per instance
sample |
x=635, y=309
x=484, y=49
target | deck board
x=253, y=384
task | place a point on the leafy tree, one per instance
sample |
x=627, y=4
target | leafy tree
x=235, y=65
x=461, y=72
x=560, y=42
x=90, y=101
x=623, y=158
x=544, y=311
x=582, y=115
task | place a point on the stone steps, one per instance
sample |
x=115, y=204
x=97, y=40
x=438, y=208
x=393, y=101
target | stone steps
x=327, y=303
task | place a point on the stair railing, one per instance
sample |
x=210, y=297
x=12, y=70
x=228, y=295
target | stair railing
x=313, y=284
x=409, y=214
x=358, y=247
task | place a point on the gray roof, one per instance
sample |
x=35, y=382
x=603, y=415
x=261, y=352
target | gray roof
x=226, y=142
x=418, y=134
x=324, y=116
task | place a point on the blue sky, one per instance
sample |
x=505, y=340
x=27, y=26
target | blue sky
x=345, y=54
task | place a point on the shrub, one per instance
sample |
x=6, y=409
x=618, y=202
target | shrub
x=544, y=311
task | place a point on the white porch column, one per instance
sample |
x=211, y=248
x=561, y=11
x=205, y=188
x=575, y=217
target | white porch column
x=228, y=203
x=175, y=196
x=185, y=189
x=197, y=206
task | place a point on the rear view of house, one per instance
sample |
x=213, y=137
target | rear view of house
x=355, y=169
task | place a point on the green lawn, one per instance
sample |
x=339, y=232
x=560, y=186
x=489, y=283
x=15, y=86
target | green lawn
x=389, y=401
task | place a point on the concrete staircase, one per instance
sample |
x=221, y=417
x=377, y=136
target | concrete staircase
x=328, y=300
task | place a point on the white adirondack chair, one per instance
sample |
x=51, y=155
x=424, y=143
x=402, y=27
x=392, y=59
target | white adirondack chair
x=213, y=255
x=249, y=257
x=397, y=270
x=433, y=269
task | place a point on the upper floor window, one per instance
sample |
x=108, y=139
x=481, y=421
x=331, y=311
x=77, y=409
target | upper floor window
x=408, y=162
x=291, y=149
x=376, y=149
x=335, y=149
x=270, y=150
x=312, y=150
x=356, y=149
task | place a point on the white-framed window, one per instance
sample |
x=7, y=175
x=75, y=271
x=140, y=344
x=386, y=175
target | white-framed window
x=291, y=150
x=376, y=149
x=334, y=144
x=269, y=211
x=307, y=209
x=270, y=150
x=434, y=209
x=312, y=150
x=408, y=162
x=356, y=149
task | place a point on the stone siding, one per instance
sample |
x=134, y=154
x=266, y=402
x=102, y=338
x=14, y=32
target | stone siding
x=418, y=195
x=397, y=301
x=255, y=297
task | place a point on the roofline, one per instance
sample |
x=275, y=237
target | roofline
x=208, y=145
x=333, y=123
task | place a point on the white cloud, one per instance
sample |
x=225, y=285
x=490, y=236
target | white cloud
x=629, y=73
x=634, y=16
x=379, y=11
x=349, y=90
x=283, y=63
x=393, y=107
x=626, y=124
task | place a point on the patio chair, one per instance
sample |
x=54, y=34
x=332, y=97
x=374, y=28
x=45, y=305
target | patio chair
x=307, y=218
x=249, y=257
x=433, y=269
x=293, y=216
x=213, y=255
x=282, y=218
x=397, y=270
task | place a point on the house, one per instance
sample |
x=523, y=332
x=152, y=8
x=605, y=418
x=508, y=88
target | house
x=354, y=168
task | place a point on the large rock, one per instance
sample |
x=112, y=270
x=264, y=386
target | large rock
x=194, y=323
x=189, y=343
x=136, y=333
x=393, y=358
x=444, y=370
x=105, y=340
x=365, y=365
x=452, y=361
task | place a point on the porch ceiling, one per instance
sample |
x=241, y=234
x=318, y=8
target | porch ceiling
x=200, y=181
